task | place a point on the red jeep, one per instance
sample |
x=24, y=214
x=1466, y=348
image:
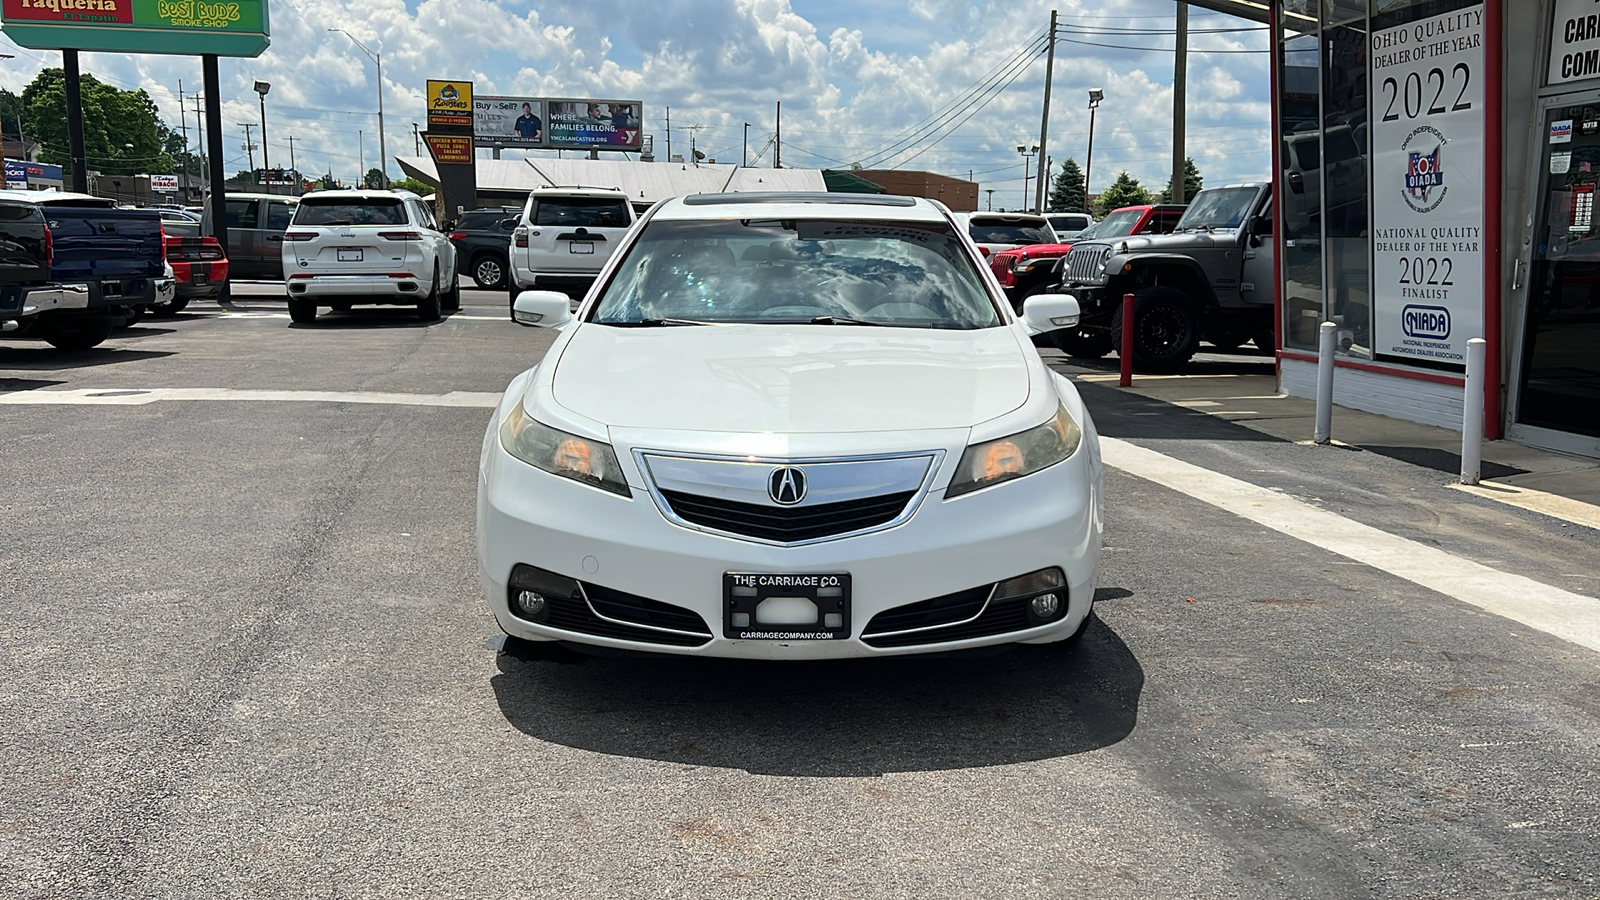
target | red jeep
x=1026, y=271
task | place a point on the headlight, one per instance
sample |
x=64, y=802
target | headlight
x=993, y=462
x=592, y=462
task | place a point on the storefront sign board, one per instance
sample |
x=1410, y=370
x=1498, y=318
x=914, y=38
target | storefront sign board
x=1427, y=174
x=1574, y=41
x=187, y=27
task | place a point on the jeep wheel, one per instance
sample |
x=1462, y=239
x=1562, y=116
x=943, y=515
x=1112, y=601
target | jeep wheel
x=428, y=306
x=1082, y=344
x=1166, y=329
x=489, y=272
x=74, y=333
x=451, y=301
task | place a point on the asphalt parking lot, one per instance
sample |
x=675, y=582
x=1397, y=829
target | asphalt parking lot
x=245, y=655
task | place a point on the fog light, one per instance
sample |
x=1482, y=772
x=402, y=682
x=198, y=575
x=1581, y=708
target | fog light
x=1045, y=606
x=533, y=605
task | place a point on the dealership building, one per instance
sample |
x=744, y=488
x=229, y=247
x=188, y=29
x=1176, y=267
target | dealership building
x=1436, y=167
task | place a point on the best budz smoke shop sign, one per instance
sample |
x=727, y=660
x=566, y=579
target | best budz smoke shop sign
x=1427, y=170
x=188, y=27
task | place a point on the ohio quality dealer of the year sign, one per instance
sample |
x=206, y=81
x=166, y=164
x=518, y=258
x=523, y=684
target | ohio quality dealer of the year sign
x=1427, y=176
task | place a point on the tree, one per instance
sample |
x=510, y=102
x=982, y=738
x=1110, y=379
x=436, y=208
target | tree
x=373, y=178
x=1067, y=191
x=1125, y=191
x=122, y=131
x=1192, y=182
x=420, y=188
x=328, y=183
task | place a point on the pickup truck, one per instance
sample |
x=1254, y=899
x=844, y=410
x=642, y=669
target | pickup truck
x=117, y=252
x=31, y=304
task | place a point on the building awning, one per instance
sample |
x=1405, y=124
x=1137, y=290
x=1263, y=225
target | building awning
x=1254, y=10
x=840, y=181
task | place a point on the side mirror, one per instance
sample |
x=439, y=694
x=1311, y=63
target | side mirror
x=542, y=309
x=1042, y=313
x=509, y=222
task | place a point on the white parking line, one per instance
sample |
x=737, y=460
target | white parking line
x=141, y=396
x=1566, y=615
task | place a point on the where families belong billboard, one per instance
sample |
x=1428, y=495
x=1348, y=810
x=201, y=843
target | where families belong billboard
x=593, y=124
x=508, y=121
x=188, y=27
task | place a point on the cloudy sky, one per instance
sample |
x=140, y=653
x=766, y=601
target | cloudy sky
x=886, y=84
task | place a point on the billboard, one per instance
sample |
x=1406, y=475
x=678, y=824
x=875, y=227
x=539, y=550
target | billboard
x=593, y=124
x=187, y=27
x=16, y=175
x=450, y=104
x=508, y=121
x=163, y=182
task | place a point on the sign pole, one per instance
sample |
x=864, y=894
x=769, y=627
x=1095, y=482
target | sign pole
x=74, y=88
x=216, y=204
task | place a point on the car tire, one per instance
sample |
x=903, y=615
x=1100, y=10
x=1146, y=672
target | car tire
x=302, y=312
x=452, y=297
x=1082, y=344
x=135, y=314
x=341, y=307
x=75, y=334
x=1166, y=329
x=428, y=306
x=168, y=310
x=489, y=272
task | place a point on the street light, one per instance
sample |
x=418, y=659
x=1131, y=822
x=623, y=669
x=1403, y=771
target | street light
x=377, y=59
x=990, y=192
x=261, y=88
x=744, y=155
x=1095, y=96
x=1027, y=158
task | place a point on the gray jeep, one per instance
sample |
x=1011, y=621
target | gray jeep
x=1210, y=278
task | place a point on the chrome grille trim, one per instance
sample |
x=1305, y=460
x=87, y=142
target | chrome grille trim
x=1085, y=265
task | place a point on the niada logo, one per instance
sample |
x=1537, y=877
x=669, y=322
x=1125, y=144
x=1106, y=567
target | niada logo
x=1431, y=322
x=1425, y=187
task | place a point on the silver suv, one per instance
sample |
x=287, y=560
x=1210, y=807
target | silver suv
x=564, y=237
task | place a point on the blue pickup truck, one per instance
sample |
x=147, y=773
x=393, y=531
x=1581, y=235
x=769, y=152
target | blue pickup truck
x=115, y=255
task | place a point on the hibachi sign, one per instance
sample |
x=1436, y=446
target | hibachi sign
x=186, y=27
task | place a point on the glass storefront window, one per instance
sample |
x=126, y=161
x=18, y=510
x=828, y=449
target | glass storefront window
x=1347, y=262
x=1300, y=182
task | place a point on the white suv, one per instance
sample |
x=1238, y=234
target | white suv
x=564, y=237
x=348, y=247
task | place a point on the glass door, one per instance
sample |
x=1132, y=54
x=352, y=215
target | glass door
x=1559, y=387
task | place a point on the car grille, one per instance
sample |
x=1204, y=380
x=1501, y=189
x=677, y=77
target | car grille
x=999, y=618
x=1085, y=265
x=787, y=524
x=572, y=614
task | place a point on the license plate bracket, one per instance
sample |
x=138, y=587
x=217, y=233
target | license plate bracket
x=581, y=247
x=350, y=255
x=744, y=617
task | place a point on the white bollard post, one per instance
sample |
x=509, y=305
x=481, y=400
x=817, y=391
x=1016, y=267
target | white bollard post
x=1324, y=430
x=1472, y=413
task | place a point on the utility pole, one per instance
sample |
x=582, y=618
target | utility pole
x=777, y=140
x=183, y=124
x=416, y=137
x=361, y=156
x=1044, y=117
x=692, y=129
x=249, y=146
x=1180, y=78
x=669, y=134
x=744, y=154
x=200, y=140
x=294, y=172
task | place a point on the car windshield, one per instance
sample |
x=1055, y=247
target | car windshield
x=1218, y=208
x=806, y=271
x=986, y=232
x=1119, y=223
x=344, y=211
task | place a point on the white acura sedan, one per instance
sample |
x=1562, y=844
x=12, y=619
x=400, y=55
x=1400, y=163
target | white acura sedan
x=791, y=426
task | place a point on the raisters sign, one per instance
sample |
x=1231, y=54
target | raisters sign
x=186, y=27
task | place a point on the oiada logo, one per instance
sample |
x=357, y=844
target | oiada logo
x=1425, y=187
x=1431, y=322
x=787, y=485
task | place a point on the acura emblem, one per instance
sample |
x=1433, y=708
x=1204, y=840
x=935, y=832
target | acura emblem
x=787, y=485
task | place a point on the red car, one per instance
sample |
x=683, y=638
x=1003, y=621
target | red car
x=1025, y=271
x=199, y=267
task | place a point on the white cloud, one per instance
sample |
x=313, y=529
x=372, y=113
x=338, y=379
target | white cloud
x=853, y=77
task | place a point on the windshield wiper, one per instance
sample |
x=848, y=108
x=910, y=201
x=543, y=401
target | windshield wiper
x=841, y=320
x=654, y=323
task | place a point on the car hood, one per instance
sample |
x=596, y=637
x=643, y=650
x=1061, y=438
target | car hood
x=1156, y=243
x=790, y=379
x=1038, y=251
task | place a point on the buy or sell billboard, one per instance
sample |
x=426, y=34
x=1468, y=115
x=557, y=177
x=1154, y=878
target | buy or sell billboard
x=593, y=124
x=508, y=121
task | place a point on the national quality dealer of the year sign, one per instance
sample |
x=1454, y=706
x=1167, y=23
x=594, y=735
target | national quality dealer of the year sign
x=188, y=27
x=1426, y=170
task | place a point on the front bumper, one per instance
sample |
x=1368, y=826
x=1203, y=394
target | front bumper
x=622, y=545
x=377, y=288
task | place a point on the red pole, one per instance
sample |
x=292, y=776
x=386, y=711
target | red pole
x=1127, y=342
x=1493, y=275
